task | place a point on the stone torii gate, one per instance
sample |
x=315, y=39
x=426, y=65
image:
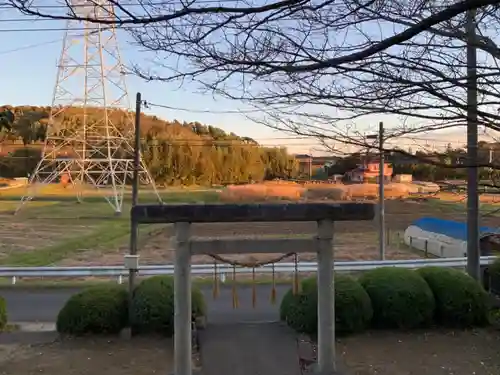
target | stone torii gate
x=182, y=215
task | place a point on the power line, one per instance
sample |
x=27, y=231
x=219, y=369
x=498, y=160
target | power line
x=29, y=47
x=95, y=28
x=190, y=139
x=38, y=18
x=237, y=111
x=31, y=20
x=158, y=3
x=45, y=29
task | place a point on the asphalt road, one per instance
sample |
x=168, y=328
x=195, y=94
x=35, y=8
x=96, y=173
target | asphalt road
x=43, y=305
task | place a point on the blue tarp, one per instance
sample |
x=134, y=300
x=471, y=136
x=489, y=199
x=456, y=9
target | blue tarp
x=453, y=229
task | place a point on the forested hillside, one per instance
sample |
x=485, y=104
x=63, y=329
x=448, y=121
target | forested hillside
x=175, y=152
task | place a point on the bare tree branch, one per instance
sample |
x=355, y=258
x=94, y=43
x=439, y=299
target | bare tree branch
x=336, y=63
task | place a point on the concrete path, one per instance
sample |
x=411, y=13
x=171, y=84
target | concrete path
x=249, y=349
x=27, y=338
x=43, y=305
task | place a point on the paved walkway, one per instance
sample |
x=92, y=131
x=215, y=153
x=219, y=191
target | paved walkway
x=27, y=338
x=249, y=349
x=48, y=302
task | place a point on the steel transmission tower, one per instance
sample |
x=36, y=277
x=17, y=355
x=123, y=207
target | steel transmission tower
x=96, y=148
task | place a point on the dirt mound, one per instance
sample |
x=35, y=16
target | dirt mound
x=357, y=191
x=327, y=191
x=254, y=192
x=424, y=187
x=280, y=182
x=293, y=191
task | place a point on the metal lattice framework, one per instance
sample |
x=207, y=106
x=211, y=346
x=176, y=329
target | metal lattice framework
x=95, y=150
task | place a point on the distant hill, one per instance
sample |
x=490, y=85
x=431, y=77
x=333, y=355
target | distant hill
x=176, y=152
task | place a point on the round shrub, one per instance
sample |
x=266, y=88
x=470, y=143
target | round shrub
x=353, y=306
x=299, y=310
x=493, y=274
x=494, y=268
x=353, y=309
x=400, y=298
x=287, y=303
x=3, y=313
x=290, y=312
x=289, y=308
x=460, y=300
x=153, y=306
x=99, y=309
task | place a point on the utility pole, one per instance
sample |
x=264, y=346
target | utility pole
x=310, y=165
x=134, y=226
x=381, y=196
x=473, y=249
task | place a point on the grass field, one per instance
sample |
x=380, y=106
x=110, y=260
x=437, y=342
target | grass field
x=56, y=230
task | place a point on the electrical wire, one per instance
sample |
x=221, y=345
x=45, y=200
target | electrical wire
x=129, y=27
x=154, y=3
x=58, y=29
x=236, y=111
x=397, y=140
x=214, y=140
x=94, y=28
x=31, y=46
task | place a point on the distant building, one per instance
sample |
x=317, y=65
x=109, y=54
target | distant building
x=403, y=178
x=309, y=164
x=369, y=171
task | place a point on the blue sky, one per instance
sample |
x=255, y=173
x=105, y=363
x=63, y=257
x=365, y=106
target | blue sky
x=28, y=62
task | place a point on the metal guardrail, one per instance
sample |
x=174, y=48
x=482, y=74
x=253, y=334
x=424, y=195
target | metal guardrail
x=223, y=270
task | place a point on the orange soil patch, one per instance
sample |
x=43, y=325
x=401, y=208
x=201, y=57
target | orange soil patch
x=317, y=191
x=254, y=192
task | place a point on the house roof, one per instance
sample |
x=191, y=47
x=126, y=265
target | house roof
x=449, y=228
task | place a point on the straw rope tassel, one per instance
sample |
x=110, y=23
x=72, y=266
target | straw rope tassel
x=273, y=290
x=235, y=294
x=254, y=289
x=295, y=288
x=216, y=282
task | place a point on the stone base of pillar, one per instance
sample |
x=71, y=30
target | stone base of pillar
x=126, y=333
x=201, y=322
x=313, y=370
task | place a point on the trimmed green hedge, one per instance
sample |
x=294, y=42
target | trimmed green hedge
x=353, y=310
x=153, y=306
x=495, y=268
x=460, y=300
x=99, y=309
x=3, y=313
x=400, y=298
x=494, y=277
